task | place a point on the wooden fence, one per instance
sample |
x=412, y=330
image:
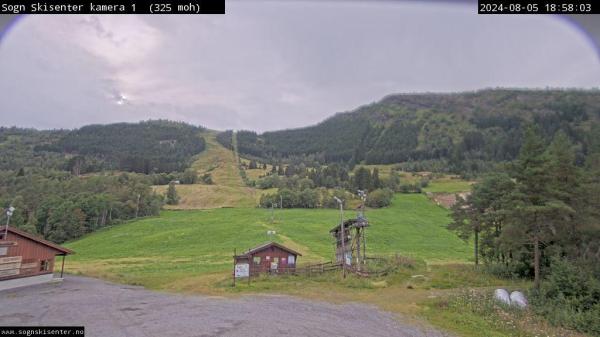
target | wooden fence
x=375, y=266
x=319, y=268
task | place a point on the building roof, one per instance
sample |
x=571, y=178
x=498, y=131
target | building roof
x=350, y=223
x=63, y=250
x=267, y=245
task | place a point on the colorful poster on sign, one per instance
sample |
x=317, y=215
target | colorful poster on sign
x=242, y=270
x=348, y=258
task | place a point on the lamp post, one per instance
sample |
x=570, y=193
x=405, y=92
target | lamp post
x=9, y=213
x=362, y=194
x=363, y=197
x=341, y=203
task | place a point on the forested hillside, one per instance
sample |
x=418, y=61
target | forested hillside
x=60, y=206
x=146, y=147
x=456, y=132
x=42, y=174
x=17, y=149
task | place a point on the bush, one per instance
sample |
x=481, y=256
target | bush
x=570, y=297
x=308, y=199
x=189, y=177
x=207, y=179
x=512, y=270
x=380, y=198
x=270, y=181
x=172, y=196
x=409, y=188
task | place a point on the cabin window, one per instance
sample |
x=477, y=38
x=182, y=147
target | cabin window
x=291, y=259
x=275, y=260
x=44, y=265
x=256, y=260
x=3, y=251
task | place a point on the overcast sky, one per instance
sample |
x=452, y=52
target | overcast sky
x=268, y=65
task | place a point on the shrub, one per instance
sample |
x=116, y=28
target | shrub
x=207, y=179
x=409, y=188
x=380, y=198
x=570, y=297
x=270, y=181
x=189, y=177
x=172, y=196
x=308, y=198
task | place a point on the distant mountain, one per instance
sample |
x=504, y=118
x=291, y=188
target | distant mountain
x=460, y=129
x=145, y=147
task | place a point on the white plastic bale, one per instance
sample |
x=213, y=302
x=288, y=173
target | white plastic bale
x=502, y=296
x=518, y=299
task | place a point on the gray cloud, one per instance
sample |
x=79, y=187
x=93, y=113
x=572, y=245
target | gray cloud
x=270, y=65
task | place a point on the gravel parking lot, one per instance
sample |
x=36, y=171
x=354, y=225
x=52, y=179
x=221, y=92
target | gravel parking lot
x=114, y=310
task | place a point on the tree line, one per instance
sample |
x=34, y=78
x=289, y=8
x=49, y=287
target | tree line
x=58, y=181
x=146, y=147
x=61, y=207
x=539, y=218
x=314, y=187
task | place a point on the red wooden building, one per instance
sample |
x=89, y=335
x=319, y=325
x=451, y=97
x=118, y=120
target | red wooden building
x=270, y=258
x=26, y=259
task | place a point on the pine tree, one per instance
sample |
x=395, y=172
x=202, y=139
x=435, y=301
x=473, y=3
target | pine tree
x=362, y=179
x=481, y=212
x=375, y=181
x=172, y=196
x=466, y=222
x=289, y=171
x=537, y=209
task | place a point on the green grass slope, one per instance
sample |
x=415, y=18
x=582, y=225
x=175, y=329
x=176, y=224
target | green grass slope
x=180, y=244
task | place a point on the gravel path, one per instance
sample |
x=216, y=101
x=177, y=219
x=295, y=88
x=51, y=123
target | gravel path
x=114, y=310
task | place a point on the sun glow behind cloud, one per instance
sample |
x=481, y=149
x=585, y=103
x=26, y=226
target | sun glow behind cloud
x=269, y=65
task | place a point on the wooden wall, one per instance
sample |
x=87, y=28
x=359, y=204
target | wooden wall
x=25, y=258
x=270, y=255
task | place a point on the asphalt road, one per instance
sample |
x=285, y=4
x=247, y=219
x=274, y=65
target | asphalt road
x=114, y=310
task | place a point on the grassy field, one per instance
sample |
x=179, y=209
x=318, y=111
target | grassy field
x=189, y=249
x=448, y=185
x=157, y=251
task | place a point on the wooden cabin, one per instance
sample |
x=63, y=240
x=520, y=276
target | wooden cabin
x=26, y=259
x=354, y=244
x=271, y=258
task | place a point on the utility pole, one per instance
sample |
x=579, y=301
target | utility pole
x=363, y=197
x=137, y=205
x=272, y=212
x=341, y=203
